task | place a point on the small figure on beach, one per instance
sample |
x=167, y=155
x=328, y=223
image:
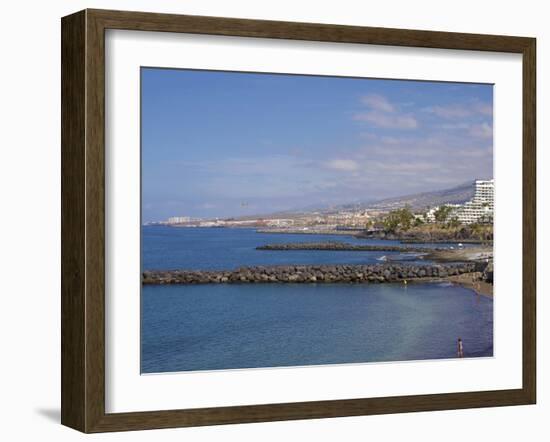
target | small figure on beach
x=460, y=348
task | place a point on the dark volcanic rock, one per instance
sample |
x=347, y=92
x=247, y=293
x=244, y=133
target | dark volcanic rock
x=340, y=246
x=488, y=273
x=310, y=274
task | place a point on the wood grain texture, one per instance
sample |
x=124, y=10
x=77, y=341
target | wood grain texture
x=529, y=220
x=73, y=256
x=95, y=222
x=83, y=220
x=145, y=21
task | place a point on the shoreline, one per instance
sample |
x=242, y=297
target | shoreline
x=475, y=283
x=481, y=254
x=468, y=267
x=478, y=254
x=354, y=233
x=445, y=241
x=340, y=246
x=469, y=281
x=310, y=231
x=416, y=238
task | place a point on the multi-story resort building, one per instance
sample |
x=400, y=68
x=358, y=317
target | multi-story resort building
x=478, y=209
x=430, y=214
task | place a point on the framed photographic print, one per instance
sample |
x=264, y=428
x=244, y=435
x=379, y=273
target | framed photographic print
x=270, y=220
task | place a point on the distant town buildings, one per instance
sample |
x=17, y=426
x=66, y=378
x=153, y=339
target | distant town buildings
x=430, y=215
x=178, y=220
x=279, y=222
x=478, y=210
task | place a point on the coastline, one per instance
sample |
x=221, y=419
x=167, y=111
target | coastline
x=334, y=246
x=480, y=254
x=408, y=237
x=474, y=282
x=310, y=231
x=470, y=267
x=470, y=281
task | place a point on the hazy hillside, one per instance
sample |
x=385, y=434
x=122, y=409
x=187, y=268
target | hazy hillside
x=455, y=195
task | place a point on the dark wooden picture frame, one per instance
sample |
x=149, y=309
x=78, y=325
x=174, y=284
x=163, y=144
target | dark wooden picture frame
x=83, y=220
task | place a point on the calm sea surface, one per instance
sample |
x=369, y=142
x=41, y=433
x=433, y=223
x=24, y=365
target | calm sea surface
x=210, y=327
x=221, y=248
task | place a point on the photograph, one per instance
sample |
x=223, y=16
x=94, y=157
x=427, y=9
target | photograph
x=303, y=220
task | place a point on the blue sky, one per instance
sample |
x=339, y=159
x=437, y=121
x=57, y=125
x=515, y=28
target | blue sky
x=219, y=144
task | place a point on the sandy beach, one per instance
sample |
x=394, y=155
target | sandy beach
x=462, y=254
x=473, y=281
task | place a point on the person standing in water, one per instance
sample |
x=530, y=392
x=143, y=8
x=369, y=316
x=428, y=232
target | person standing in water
x=460, y=348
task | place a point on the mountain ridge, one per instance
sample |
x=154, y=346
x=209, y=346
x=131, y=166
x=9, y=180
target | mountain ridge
x=453, y=195
x=417, y=201
x=421, y=200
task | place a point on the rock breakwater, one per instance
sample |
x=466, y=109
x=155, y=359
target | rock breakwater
x=339, y=246
x=380, y=273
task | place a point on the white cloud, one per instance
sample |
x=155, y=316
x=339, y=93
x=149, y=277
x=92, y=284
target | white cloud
x=342, y=165
x=378, y=102
x=483, y=130
x=455, y=126
x=451, y=111
x=383, y=113
x=388, y=121
x=207, y=206
x=408, y=166
x=391, y=140
x=484, y=108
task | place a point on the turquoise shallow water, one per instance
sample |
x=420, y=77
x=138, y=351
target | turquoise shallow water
x=212, y=327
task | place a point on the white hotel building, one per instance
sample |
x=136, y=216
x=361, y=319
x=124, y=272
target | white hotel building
x=481, y=206
x=479, y=209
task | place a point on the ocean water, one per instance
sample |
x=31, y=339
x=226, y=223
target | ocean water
x=228, y=326
x=224, y=249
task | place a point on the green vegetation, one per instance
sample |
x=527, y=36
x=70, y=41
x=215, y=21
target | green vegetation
x=404, y=224
x=442, y=213
x=481, y=231
x=453, y=223
x=399, y=219
x=486, y=219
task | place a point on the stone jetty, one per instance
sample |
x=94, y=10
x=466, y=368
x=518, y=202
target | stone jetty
x=340, y=246
x=379, y=273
